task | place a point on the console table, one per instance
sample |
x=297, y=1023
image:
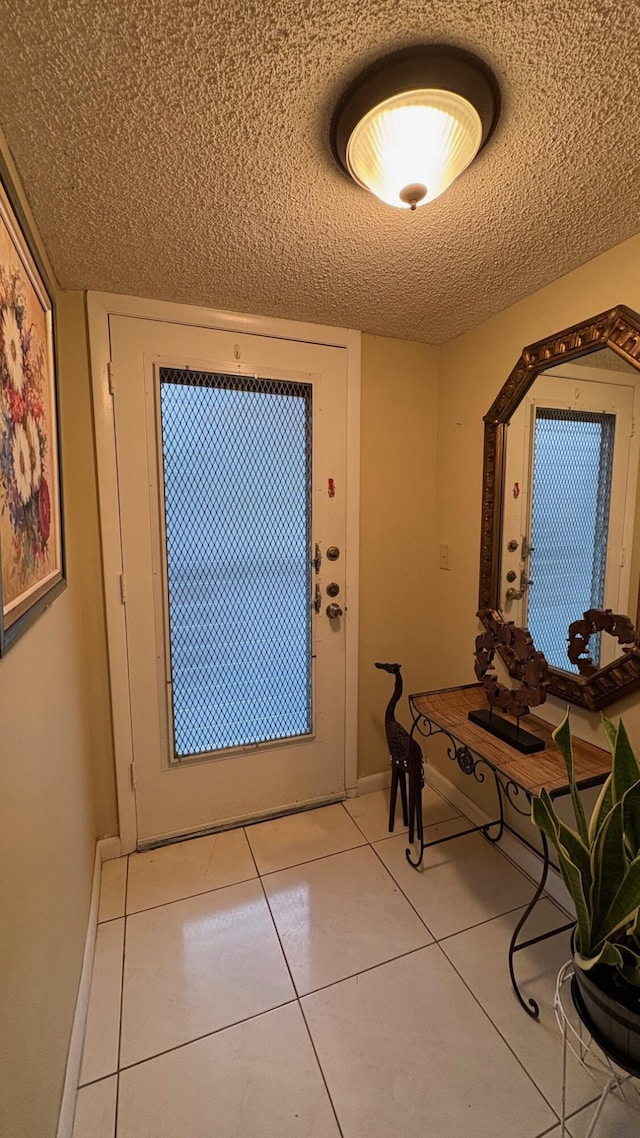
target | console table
x=517, y=779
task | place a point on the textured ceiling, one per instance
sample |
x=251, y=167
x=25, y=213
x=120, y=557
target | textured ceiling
x=179, y=149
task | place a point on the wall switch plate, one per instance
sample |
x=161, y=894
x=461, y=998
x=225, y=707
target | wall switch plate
x=444, y=557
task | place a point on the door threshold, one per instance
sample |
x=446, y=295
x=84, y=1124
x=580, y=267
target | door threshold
x=236, y=823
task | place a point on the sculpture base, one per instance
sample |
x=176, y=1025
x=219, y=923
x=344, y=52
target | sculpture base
x=523, y=741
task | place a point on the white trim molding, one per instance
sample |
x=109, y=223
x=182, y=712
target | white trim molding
x=369, y=783
x=106, y=849
x=100, y=307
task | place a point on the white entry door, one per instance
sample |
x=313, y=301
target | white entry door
x=231, y=454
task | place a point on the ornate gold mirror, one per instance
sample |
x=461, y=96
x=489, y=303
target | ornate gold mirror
x=561, y=504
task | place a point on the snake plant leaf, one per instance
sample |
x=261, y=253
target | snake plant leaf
x=625, y=767
x=633, y=957
x=609, y=864
x=608, y=954
x=631, y=819
x=602, y=807
x=544, y=817
x=610, y=731
x=573, y=881
x=562, y=736
x=623, y=908
x=559, y=833
x=632, y=973
x=561, y=865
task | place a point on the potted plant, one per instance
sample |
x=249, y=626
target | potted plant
x=600, y=863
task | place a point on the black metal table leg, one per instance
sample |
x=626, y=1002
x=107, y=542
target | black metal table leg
x=531, y=1007
x=500, y=822
x=508, y=788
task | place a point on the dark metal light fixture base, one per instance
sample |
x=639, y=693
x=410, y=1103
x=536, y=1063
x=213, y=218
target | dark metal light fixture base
x=426, y=66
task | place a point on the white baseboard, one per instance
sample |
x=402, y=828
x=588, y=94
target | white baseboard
x=106, y=849
x=510, y=845
x=109, y=848
x=370, y=782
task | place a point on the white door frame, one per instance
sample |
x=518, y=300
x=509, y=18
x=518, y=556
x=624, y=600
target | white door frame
x=100, y=306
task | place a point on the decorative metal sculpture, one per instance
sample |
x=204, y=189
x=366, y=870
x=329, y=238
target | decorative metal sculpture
x=525, y=664
x=593, y=621
x=405, y=757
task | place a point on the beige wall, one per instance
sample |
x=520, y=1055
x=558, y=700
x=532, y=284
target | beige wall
x=473, y=369
x=397, y=517
x=55, y=754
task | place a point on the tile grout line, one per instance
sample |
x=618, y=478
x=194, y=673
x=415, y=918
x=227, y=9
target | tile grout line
x=373, y=844
x=364, y=971
x=399, y=956
x=253, y=856
x=545, y=895
x=188, y=896
x=503, y=1038
x=479, y=924
x=199, y=1038
x=227, y=1027
x=412, y=952
x=311, y=860
x=299, y=1003
x=405, y=830
x=297, y=998
x=321, y=1070
x=396, y=883
x=449, y=936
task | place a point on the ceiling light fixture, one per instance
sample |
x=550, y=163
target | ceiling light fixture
x=408, y=126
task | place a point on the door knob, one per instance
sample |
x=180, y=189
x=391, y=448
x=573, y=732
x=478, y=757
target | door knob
x=333, y=611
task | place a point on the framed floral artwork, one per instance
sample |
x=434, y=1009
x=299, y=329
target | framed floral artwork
x=31, y=543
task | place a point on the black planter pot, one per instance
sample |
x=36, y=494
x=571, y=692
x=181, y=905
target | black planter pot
x=610, y=1007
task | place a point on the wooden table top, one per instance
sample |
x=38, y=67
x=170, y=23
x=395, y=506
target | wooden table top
x=449, y=709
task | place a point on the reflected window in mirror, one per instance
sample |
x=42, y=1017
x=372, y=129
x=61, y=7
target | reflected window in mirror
x=570, y=502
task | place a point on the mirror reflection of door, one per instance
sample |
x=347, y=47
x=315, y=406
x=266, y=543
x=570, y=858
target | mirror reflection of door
x=570, y=504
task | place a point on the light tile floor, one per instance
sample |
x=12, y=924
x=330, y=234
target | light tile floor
x=297, y=979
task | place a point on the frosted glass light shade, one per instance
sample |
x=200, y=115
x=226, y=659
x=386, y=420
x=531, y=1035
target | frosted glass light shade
x=417, y=142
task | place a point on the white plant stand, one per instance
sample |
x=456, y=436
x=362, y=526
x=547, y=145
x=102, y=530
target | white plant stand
x=588, y=1053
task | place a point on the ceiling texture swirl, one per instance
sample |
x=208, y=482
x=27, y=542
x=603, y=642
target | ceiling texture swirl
x=180, y=150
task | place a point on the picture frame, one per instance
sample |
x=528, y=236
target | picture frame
x=32, y=567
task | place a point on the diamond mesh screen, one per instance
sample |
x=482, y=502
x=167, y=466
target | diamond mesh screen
x=572, y=468
x=237, y=480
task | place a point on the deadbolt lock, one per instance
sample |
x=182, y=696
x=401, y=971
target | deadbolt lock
x=333, y=589
x=511, y=575
x=333, y=553
x=512, y=546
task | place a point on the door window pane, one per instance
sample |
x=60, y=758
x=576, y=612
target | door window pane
x=237, y=477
